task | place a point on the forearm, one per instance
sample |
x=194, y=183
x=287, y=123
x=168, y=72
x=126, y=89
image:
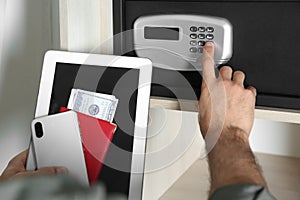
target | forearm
x=232, y=162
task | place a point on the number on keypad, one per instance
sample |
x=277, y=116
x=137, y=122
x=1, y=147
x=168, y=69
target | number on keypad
x=204, y=33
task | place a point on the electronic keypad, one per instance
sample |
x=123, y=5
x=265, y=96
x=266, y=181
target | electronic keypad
x=176, y=41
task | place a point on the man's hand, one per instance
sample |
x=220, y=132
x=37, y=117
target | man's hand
x=226, y=114
x=229, y=95
x=16, y=168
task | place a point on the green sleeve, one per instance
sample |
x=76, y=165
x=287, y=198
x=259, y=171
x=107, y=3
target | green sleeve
x=49, y=188
x=242, y=192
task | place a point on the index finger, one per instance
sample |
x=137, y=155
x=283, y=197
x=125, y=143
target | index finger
x=208, y=64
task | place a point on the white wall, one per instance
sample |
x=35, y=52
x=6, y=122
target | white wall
x=27, y=34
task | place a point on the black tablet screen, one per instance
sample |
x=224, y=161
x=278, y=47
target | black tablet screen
x=123, y=84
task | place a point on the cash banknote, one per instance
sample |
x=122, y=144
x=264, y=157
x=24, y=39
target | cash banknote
x=98, y=105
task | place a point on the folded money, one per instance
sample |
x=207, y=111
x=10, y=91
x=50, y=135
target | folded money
x=98, y=105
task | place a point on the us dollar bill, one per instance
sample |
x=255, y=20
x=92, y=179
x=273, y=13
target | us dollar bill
x=98, y=105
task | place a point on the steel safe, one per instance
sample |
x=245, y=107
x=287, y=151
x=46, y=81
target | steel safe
x=266, y=45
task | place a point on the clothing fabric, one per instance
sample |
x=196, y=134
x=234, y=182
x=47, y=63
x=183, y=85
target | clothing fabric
x=52, y=188
x=65, y=188
x=242, y=192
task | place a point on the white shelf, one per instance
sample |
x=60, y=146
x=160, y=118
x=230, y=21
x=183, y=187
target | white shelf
x=273, y=114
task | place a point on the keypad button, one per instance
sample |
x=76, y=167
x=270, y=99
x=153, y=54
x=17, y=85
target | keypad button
x=193, y=42
x=201, y=29
x=201, y=36
x=193, y=36
x=193, y=28
x=200, y=50
x=201, y=43
x=210, y=36
x=210, y=29
x=193, y=49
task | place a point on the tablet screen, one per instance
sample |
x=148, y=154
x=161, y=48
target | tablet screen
x=123, y=84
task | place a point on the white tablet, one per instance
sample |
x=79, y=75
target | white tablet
x=129, y=80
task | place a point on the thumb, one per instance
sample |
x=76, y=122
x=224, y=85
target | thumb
x=51, y=171
x=45, y=171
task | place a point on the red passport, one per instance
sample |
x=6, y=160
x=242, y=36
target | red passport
x=96, y=136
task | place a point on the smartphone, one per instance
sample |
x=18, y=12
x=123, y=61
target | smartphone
x=57, y=142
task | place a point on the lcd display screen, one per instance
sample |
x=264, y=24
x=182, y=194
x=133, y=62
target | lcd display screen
x=161, y=33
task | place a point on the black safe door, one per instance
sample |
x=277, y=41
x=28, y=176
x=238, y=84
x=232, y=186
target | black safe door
x=266, y=45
